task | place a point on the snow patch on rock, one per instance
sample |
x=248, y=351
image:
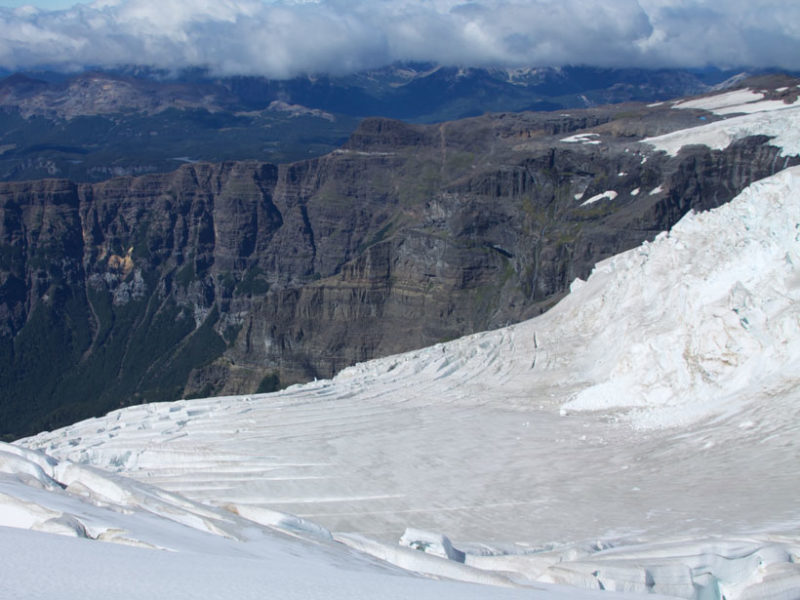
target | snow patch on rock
x=607, y=195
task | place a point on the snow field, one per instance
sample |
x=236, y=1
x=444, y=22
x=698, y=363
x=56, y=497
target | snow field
x=683, y=325
x=582, y=138
x=163, y=545
x=722, y=101
x=745, y=101
x=780, y=126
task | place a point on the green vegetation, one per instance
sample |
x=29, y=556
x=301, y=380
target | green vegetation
x=459, y=162
x=93, y=148
x=379, y=235
x=270, y=383
x=80, y=355
x=185, y=275
x=227, y=283
x=32, y=366
x=252, y=284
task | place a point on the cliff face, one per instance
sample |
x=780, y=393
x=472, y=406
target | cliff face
x=486, y=248
x=243, y=276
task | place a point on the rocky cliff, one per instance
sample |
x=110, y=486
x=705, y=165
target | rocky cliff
x=244, y=276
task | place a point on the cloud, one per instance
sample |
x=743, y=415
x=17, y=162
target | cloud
x=729, y=33
x=284, y=38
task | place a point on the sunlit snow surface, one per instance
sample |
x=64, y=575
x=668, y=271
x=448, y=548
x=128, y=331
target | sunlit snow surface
x=726, y=100
x=609, y=195
x=643, y=435
x=775, y=119
x=743, y=101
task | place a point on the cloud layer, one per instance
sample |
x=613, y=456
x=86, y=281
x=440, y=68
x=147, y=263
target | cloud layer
x=286, y=38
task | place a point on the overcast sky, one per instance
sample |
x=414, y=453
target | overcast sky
x=282, y=38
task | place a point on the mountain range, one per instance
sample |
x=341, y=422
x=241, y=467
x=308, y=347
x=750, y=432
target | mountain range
x=98, y=124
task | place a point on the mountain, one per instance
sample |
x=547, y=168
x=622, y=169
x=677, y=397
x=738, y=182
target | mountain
x=410, y=91
x=243, y=276
x=640, y=438
x=425, y=93
x=95, y=125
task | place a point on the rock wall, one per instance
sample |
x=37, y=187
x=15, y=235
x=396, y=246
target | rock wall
x=244, y=276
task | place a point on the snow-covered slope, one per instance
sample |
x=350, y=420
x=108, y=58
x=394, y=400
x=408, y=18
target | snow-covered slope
x=778, y=120
x=167, y=546
x=642, y=436
x=741, y=101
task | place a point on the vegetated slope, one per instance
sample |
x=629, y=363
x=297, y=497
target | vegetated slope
x=239, y=277
x=623, y=441
x=95, y=125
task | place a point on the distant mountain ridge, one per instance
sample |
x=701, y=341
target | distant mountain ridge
x=99, y=124
x=418, y=92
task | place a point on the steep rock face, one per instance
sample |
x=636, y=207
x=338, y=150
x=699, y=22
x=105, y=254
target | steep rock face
x=243, y=276
x=487, y=249
x=111, y=291
x=40, y=232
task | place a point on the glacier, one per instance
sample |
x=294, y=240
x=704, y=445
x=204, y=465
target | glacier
x=641, y=437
